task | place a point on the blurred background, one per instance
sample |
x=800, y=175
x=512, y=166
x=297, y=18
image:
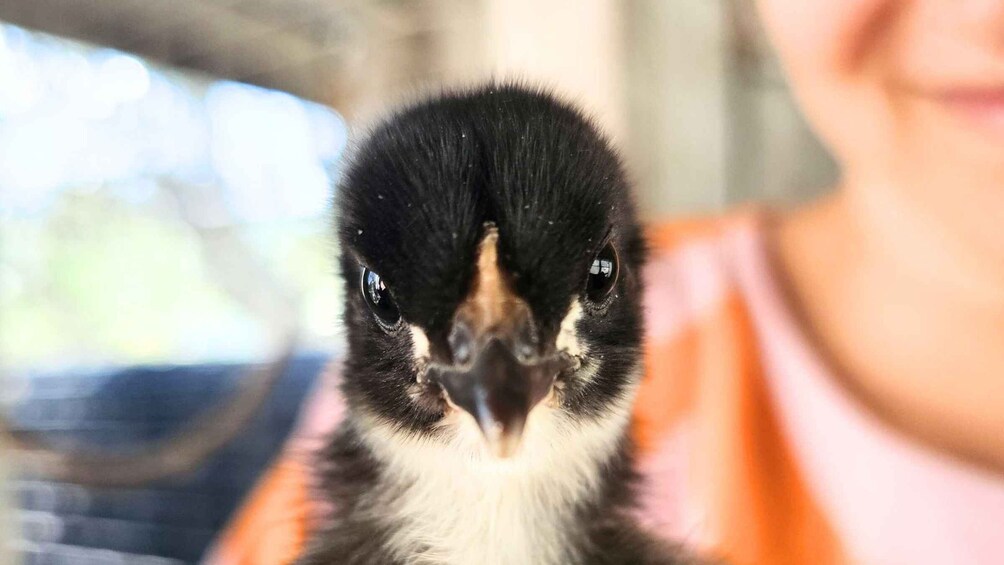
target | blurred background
x=166, y=168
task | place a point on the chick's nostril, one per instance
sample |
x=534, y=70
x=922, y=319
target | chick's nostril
x=525, y=341
x=461, y=340
x=525, y=352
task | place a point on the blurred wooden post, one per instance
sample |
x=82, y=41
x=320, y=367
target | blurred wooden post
x=676, y=75
x=574, y=46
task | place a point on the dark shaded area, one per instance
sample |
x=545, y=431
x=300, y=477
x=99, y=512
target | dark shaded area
x=170, y=521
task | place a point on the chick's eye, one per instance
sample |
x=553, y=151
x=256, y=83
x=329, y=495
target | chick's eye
x=378, y=298
x=602, y=274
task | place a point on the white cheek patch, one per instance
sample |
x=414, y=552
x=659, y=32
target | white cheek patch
x=419, y=351
x=419, y=344
x=568, y=337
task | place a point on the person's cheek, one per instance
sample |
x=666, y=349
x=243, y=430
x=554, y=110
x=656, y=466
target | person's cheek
x=836, y=54
x=830, y=36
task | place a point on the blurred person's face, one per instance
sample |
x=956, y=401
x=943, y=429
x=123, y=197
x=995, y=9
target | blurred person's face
x=907, y=93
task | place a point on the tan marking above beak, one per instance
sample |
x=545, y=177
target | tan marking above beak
x=491, y=305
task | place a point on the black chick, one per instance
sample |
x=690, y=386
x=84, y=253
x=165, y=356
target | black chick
x=491, y=258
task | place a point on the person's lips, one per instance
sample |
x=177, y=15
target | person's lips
x=982, y=107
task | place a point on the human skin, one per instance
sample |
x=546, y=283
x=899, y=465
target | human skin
x=898, y=275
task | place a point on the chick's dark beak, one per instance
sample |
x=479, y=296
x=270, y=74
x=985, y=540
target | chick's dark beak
x=496, y=369
x=500, y=391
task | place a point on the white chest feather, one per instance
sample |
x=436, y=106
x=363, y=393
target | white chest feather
x=451, y=502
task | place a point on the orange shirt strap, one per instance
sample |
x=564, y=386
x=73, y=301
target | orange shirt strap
x=272, y=527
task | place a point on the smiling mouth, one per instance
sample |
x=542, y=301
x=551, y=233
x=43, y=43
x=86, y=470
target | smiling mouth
x=981, y=107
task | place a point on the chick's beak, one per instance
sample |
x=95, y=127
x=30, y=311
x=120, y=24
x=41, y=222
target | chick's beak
x=500, y=391
x=495, y=369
